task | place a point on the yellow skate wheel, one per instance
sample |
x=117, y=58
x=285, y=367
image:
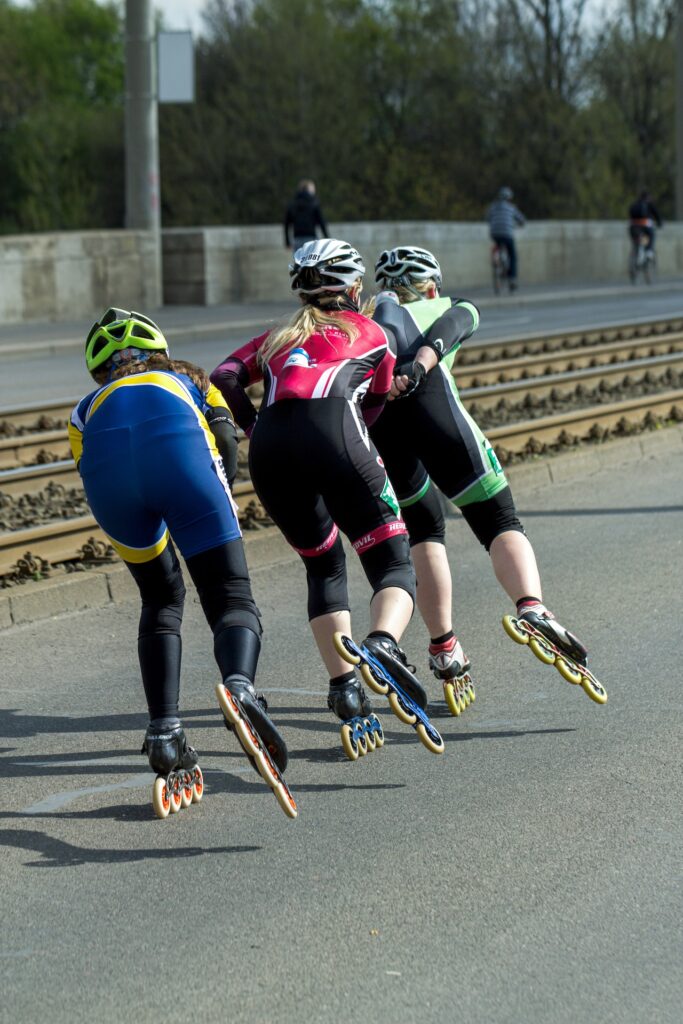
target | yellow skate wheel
x=469, y=687
x=369, y=737
x=266, y=770
x=405, y=716
x=343, y=651
x=160, y=799
x=465, y=693
x=348, y=743
x=427, y=740
x=378, y=734
x=593, y=689
x=510, y=626
x=249, y=736
x=568, y=672
x=362, y=745
x=452, y=699
x=374, y=683
x=186, y=790
x=197, y=784
x=286, y=800
x=542, y=651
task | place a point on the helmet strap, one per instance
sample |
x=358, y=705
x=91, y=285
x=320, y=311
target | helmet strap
x=342, y=301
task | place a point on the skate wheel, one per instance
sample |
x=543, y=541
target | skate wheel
x=429, y=741
x=452, y=699
x=378, y=731
x=568, y=672
x=229, y=705
x=371, y=680
x=186, y=790
x=362, y=741
x=465, y=694
x=593, y=689
x=250, y=738
x=160, y=799
x=369, y=736
x=349, y=743
x=343, y=651
x=266, y=769
x=510, y=626
x=402, y=713
x=542, y=651
x=472, y=691
x=286, y=800
x=197, y=784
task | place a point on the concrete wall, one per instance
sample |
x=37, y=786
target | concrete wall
x=214, y=265
x=72, y=274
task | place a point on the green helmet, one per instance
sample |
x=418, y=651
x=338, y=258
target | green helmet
x=119, y=329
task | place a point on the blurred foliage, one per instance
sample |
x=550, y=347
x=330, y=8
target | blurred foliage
x=398, y=109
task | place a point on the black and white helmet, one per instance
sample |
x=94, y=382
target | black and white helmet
x=406, y=264
x=325, y=265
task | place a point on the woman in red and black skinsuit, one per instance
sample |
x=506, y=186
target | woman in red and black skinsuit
x=327, y=374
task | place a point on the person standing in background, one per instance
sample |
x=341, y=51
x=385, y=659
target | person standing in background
x=304, y=217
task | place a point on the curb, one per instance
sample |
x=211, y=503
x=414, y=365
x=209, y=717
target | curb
x=98, y=588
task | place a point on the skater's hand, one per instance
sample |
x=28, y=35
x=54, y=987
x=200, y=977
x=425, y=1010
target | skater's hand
x=405, y=384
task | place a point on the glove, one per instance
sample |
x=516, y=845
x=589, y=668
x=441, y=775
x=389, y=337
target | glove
x=416, y=373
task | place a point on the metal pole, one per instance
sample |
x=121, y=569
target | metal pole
x=679, y=111
x=142, y=134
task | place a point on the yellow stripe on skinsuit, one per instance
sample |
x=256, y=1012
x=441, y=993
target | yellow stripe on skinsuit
x=137, y=555
x=76, y=442
x=166, y=382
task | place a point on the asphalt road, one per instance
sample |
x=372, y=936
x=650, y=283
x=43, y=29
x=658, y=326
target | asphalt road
x=531, y=874
x=204, y=335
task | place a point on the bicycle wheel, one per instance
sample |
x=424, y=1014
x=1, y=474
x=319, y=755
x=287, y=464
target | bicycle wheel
x=649, y=266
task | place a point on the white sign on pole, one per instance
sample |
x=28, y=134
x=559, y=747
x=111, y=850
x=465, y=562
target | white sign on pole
x=175, y=64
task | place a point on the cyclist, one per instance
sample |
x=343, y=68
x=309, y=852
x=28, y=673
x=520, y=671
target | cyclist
x=426, y=437
x=503, y=217
x=156, y=447
x=643, y=217
x=327, y=373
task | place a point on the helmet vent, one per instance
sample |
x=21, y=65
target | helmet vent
x=118, y=331
x=139, y=331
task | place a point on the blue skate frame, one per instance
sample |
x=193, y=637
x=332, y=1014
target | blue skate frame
x=383, y=676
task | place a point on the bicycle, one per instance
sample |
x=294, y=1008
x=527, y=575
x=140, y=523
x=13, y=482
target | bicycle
x=642, y=260
x=500, y=266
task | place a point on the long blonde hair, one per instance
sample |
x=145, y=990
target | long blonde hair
x=404, y=295
x=305, y=322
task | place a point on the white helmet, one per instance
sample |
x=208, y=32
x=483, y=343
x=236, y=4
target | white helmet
x=406, y=264
x=326, y=265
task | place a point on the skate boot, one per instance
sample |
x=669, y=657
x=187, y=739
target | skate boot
x=450, y=664
x=245, y=714
x=384, y=668
x=554, y=645
x=361, y=731
x=179, y=780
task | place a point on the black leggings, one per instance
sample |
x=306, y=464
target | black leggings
x=222, y=581
x=315, y=469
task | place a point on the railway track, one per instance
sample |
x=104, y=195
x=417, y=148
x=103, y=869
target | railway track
x=581, y=373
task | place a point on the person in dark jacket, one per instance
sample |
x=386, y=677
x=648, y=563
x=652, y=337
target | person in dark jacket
x=643, y=218
x=304, y=217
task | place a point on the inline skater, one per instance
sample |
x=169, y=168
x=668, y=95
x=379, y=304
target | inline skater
x=427, y=437
x=327, y=373
x=156, y=448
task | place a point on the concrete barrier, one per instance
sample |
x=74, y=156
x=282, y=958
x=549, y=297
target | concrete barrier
x=207, y=266
x=68, y=275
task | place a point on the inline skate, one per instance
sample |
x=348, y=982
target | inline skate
x=361, y=730
x=554, y=645
x=384, y=668
x=179, y=780
x=245, y=714
x=450, y=664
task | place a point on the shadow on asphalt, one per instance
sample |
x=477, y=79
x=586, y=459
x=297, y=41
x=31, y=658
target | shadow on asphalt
x=626, y=510
x=56, y=853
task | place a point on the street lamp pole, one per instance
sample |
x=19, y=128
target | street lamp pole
x=142, y=134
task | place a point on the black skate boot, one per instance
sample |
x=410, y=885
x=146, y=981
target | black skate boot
x=179, y=779
x=393, y=659
x=546, y=623
x=348, y=700
x=361, y=730
x=245, y=714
